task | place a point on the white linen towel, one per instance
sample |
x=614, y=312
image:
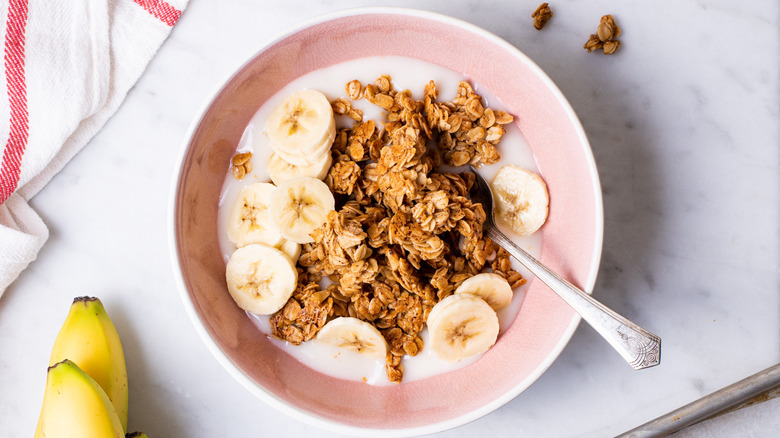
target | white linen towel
x=68, y=65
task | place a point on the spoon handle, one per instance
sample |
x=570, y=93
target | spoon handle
x=640, y=348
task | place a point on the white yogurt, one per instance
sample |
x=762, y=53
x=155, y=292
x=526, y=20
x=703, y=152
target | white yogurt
x=406, y=73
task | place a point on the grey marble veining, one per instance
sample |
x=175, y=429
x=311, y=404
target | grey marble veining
x=684, y=122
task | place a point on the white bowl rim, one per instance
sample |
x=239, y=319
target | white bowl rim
x=314, y=420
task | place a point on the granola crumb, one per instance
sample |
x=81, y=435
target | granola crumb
x=241, y=165
x=541, y=16
x=354, y=89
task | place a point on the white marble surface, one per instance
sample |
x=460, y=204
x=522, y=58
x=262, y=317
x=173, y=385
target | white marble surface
x=683, y=121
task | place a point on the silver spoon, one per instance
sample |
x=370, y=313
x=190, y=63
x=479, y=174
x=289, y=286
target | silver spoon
x=640, y=348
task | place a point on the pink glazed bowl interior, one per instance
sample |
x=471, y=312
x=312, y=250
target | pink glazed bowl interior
x=571, y=238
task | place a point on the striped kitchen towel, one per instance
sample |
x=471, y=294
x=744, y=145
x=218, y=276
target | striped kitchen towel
x=67, y=66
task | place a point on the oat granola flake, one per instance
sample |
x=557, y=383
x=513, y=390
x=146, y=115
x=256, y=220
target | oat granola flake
x=404, y=235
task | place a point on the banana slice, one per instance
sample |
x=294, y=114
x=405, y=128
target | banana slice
x=309, y=157
x=462, y=325
x=301, y=126
x=354, y=334
x=281, y=170
x=522, y=200
x=299, y=206
x=260, y=278
x=492, y=288
x=290, y=248
x=249, y=221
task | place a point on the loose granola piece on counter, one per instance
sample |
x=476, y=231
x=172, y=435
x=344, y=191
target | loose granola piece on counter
x=608, y=29
x=605, y=36
x=541, y=16
x=611, y=46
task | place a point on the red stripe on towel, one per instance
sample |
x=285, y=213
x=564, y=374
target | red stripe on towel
x=17, y=98
x=161, y=10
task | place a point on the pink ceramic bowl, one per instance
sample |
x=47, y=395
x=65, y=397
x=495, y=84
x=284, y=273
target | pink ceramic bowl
x=572, y=236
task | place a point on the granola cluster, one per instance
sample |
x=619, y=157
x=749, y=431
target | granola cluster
x=404, y=235
x=605, y=37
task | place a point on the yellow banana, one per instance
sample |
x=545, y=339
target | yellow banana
x=89, y=339
x=75, y=406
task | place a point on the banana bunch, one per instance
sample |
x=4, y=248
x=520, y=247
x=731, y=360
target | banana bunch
x=268, y=222
x=86, y=385
x=522, y=200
